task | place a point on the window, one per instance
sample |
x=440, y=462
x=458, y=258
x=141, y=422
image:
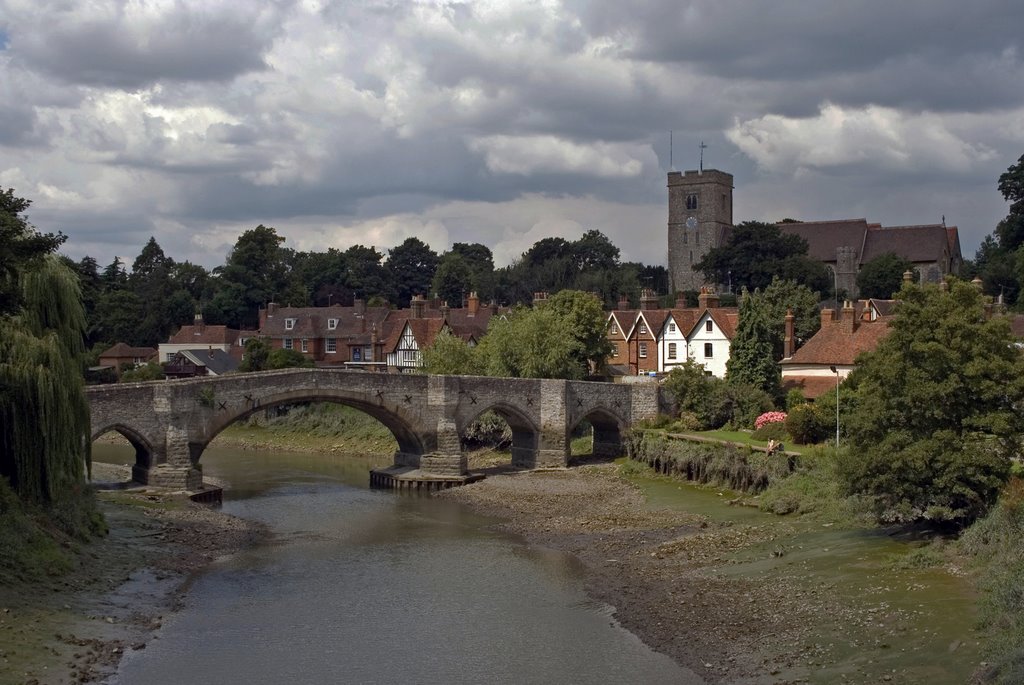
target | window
x=725, y=203
x=696, y=237
x=643, y=328
x=241, y=342
x=332, y=324
x=691, y=201
x=289, y=324
x=671, y=350
x=671, y=327
x=332, y=345
x=614, y=329
x=409, y=356
x=357, y=354
x=708, y=326
x=615, y=350
x=643, y=350
x=367, y=355
x=170, y=357
x=287, y=343
x=685, y=236
x=708, y=350
x=305, y=345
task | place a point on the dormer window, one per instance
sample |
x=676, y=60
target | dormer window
x=671, y=327
x=643, y=328
x=332, y=324
x=614, y=330
x=708, y=326
x=289, y=324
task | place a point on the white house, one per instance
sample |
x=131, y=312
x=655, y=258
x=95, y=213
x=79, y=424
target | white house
x=709, y=339
x=673, y=348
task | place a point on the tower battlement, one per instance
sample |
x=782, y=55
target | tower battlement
x=699, y=217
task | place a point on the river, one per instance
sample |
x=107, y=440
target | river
x=363, y=586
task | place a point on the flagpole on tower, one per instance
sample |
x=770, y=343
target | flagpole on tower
x=702, y=147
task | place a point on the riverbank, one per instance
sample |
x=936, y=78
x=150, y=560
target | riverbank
x=671, y=577
x=74, y=628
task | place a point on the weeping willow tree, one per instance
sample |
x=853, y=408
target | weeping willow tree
x=44, y=417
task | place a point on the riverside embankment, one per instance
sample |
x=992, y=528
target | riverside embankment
x=730, y=593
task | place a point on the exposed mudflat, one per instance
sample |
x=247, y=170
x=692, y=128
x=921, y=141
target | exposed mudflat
x=663, y=571
x=74, y=629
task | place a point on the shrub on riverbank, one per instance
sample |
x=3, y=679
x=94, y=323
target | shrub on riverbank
x=814, y=488
x=726, y=465
x=38, y=542
x=996, y=543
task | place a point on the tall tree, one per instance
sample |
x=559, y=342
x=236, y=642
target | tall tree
x=756, y=252
x=367, y=277
x=256, y=272
x=751, y=356
x=883, y=276
x=44, y=417
x=22, y=246
x=936, y=416
x=781, y=296
x=411, y=267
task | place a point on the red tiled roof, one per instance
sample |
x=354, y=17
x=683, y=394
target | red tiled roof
x=204, y=335
x=833, y=344
x=125, y=350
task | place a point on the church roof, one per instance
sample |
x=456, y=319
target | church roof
x=924, y=243
x=823, y=237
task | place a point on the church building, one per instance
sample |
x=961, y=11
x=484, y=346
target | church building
x=700, y=218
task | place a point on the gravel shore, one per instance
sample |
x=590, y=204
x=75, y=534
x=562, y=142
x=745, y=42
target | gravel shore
x=76, y=627
x=660, y=570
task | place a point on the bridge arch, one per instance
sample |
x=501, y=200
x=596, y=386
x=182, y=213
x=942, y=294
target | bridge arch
x=412, y=440
x=608, y=429
x=525, y=433
x=144, y=456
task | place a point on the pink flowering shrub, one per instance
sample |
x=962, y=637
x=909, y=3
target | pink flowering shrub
x=769, y=417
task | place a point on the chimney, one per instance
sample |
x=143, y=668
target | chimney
x=865, y=312
x=417, y=304
x=199, y=324
x=787, y=345
x=494, y=306
x=623, y=302
x=271, y=308
x=976, y=282
x=648, y=300
x=210, y=352
x=707, y=298
x=828, y=315
x=472, y=304
x=445, y=310
x=359, y=306
x=848, y=318
x=908, y=276
x=680, y=300
x=539, y=297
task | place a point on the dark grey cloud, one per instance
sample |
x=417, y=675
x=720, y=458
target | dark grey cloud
x=131, y=46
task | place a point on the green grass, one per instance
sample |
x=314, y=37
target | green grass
x=745, y=438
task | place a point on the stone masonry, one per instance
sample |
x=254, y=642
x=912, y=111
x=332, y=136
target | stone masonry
x=170, y=423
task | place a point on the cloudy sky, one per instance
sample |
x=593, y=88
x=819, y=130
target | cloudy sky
x=363, y=121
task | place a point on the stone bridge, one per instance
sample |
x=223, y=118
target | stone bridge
x=170, y=423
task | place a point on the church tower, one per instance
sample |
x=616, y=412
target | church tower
x=699, y=218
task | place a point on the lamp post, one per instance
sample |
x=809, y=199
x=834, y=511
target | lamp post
x=834, y=370
x=330, y=296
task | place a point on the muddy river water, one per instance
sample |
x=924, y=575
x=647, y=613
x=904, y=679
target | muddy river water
x=362, y=586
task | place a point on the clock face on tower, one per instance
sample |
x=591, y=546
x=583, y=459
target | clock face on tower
x=691, y=222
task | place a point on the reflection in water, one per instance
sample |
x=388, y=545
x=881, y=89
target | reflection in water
x=366, y=586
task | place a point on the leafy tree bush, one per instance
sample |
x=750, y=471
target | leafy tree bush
x=794, y=398
x=936, y=414
x=807, y=424
x=882, y=276
x=287, y=359
x=751, y=358
x=771, y=431
x=153, y=371
x=713, y=401
x=452, y=356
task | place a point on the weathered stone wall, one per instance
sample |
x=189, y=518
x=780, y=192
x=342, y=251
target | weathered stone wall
x=172, y=422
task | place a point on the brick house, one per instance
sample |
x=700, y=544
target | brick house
x=123, y=355
x=202, y=336
x=859, y=327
